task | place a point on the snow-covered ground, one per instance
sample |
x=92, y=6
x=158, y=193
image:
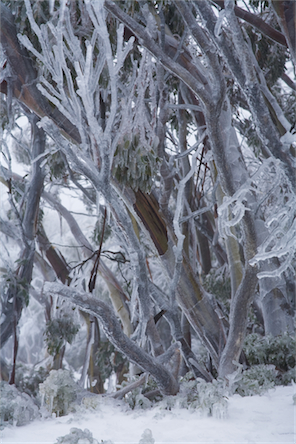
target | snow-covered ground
x=269, y=418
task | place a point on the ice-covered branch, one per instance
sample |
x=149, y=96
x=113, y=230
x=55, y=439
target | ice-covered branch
x=115, y=290
x=92, y=305
x=270, y=182
x=240, y=62
x=180, y=202
x=174, y=67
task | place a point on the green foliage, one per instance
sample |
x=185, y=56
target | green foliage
x=14, y=285
x=97, y=233
x=270, y=57
x=3, y=112
x=196, y=394
x=247, y=128
x=58, y=331
x=22, y=152
x=218, y=283
x=57, y=166
x=58, y=391
x=136, y=398
x=136, y=165
x=262, y=3
x=257, y=380
x=279, y=350
x=287, y=103
x=16, y=408
x=172, y=17
x=41, y=14
x=40, y=11
x=109, y=360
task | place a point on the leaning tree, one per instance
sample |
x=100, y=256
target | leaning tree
x=173, y=121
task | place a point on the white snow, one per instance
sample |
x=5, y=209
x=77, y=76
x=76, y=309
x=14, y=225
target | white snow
x=269, y=418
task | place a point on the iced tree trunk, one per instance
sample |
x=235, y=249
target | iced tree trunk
x=275, y=308
x=28, y=226
x=273, y=302
x=277, y=313
x=194, y=302
x=23, y=274
x=242, y=298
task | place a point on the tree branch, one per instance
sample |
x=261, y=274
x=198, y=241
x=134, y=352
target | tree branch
x=258, y=23
x=92, y=305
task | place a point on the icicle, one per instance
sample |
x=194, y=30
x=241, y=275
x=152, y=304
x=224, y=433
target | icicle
x=51, y=404
x=42, y=400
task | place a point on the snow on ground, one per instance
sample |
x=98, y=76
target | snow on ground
x=269, y=418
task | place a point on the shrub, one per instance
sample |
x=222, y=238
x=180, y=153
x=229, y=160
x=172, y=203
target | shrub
x=257, y=380
x=16, y=408
x=58, y=391
x=27, y=379
x=147, y=437
x=77, y=436
x=278, y=351
x=208, y=397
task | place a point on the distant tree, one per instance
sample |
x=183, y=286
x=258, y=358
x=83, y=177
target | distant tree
x=175, y=121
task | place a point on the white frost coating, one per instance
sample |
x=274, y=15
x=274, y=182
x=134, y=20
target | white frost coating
x=83, y=81
x=122, y=53
x=26, y=42
x=179, y=209
x=100, y=25
x=59, y=47
x=147, y=437
x=52, y=150
x=218, y=26
x=134, y=299
x=32, y=21
x=77, y=157
x=287, y=140
x=236, y=204
x=53, y=57
x=55, y=101
x=269, y=183
x=134, y=260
